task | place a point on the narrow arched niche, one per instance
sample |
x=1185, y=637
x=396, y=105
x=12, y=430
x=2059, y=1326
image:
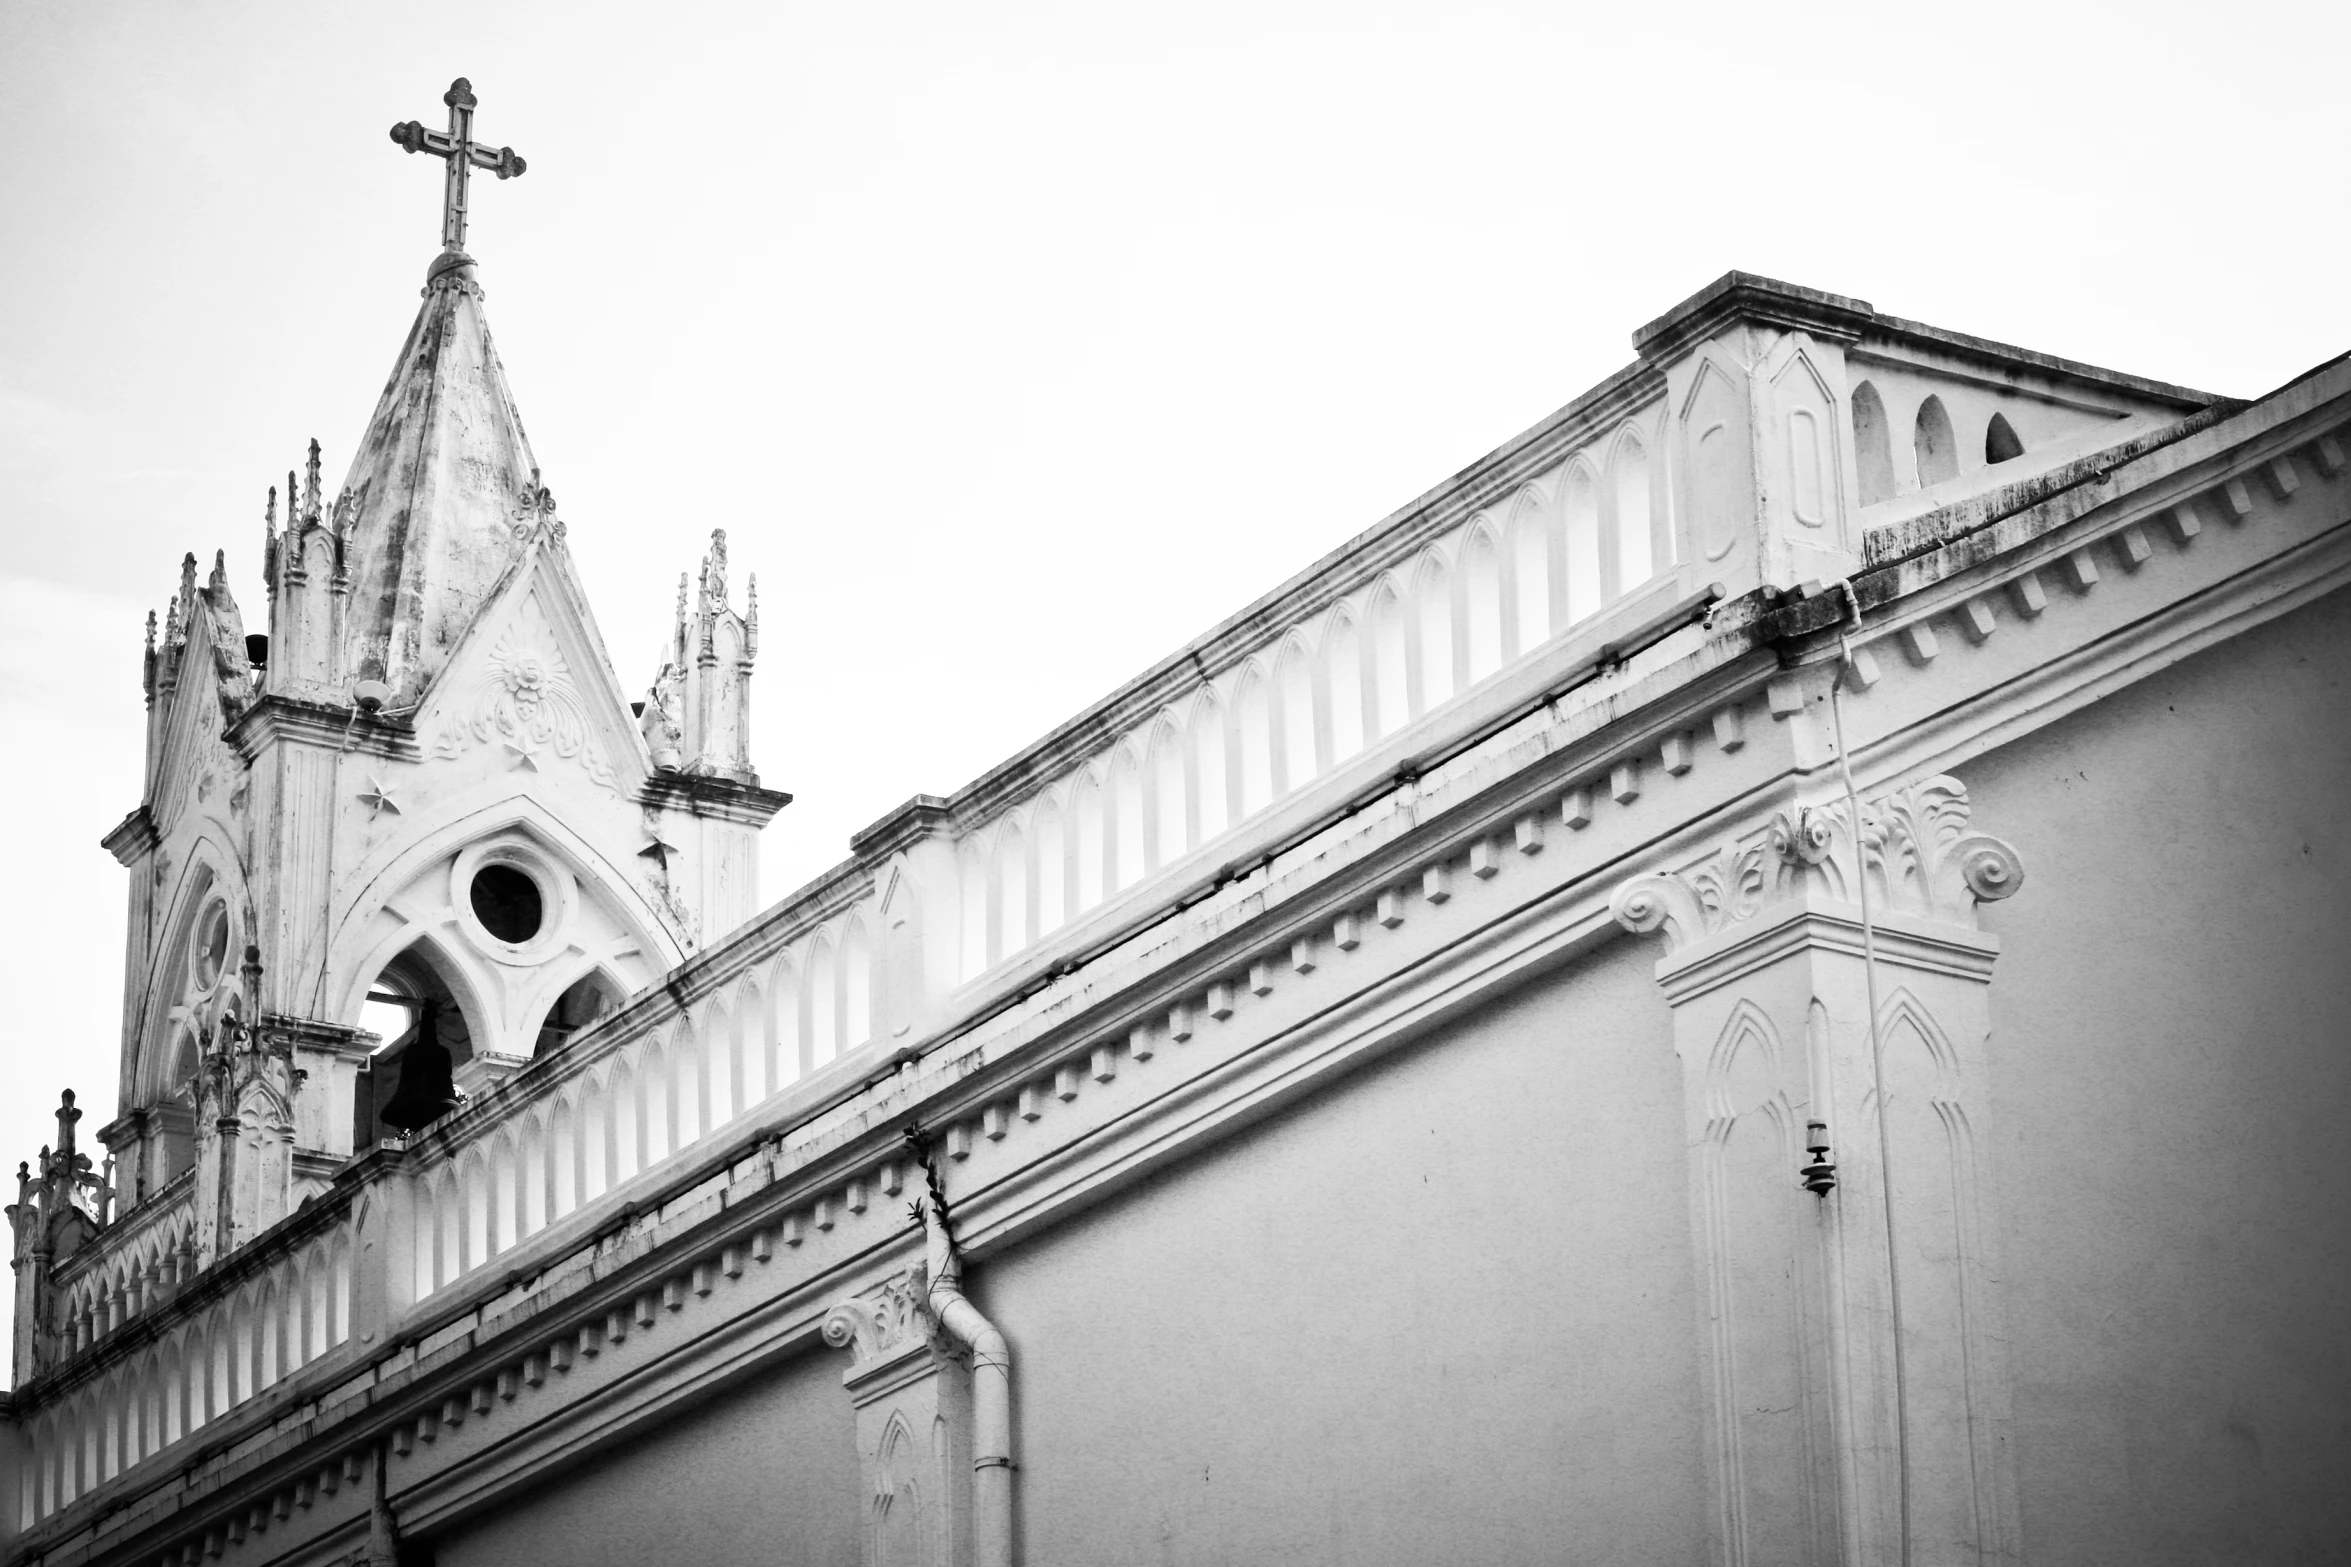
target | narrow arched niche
x=1873, y=445
x=2000, y=442
x=1936, y=446
x=175, y=1114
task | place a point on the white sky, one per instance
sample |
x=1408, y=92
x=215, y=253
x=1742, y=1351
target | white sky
x=1013, y=343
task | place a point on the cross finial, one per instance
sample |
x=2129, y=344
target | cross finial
x=457, y=148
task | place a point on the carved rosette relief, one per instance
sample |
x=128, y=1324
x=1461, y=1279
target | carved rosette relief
x=1915, y=847
x=525, y=698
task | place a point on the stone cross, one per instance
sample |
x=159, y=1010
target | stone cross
x=457, y=148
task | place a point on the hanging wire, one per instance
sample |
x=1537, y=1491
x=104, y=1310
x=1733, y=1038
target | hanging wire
x=1877, y=1069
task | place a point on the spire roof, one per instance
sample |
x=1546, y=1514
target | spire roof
x=442, y=493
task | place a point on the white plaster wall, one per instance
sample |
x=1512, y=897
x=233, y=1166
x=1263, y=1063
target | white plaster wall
x=762, y=1474
x=1440, y=1313
x=2170, y=1079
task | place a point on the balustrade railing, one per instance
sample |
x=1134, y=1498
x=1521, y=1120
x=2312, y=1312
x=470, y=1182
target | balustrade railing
x=131, y=1266
x=1395, y=640
x=1380, y=636
x=228, y=1337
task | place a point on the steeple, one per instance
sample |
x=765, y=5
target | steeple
x=442, y=493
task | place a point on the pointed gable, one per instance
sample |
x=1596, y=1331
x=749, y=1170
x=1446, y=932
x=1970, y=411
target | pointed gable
x=530, y=675
x=203, y=682
x=442, y=493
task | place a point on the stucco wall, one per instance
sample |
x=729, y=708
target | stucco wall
x=2172, y=1064
x=763, y=1475
x=1440, y=1313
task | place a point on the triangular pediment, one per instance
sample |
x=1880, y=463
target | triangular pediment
x=530, y=680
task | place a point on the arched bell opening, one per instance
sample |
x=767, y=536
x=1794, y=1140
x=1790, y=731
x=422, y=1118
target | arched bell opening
x=591, y=997
x=427, y=1034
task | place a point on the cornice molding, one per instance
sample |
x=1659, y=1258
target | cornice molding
x=133, y=838
x=275, y=718
x=705, y=794
x=1737, y=296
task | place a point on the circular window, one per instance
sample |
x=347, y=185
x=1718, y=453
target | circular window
x=507, y=903
x=212, y=946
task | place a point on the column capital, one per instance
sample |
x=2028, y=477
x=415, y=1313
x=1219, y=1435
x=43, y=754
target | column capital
x=881, y=1326
x=1917, y=848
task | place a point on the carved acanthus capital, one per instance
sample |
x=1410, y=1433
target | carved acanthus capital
x=1915, y=847
x=882, y=1320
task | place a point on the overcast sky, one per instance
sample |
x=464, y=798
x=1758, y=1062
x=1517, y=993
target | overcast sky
x=1013, y=343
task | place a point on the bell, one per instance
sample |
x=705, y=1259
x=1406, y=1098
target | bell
x=426, y=1092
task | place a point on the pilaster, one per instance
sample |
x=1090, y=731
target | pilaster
x=1856, y=1369
x=913, y=850
x=912, y=1395
x=384, y=1237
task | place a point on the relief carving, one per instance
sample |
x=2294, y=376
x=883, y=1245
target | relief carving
x=883, y=1319
x=525, y=697
x=1915, y=847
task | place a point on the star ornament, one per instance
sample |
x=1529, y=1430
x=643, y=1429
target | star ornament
x=524, y=756
x=658, y=851
x=377, y=797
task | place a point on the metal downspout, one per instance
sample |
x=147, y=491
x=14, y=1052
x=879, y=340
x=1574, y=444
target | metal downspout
x=991, y=1394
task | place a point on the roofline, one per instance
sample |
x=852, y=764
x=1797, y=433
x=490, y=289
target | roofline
x=1490, y=478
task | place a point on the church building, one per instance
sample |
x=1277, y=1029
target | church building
x=1755, y=978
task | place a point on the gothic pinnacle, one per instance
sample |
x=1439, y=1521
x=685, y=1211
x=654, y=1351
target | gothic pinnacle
x=310, y=486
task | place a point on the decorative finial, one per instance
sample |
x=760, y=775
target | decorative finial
x=751, y=616
x=714, y=571
x=67, y=1114
x=219, y=582
x=310, y=485
x=269, y=541
x=457, y=148
x=150, y=633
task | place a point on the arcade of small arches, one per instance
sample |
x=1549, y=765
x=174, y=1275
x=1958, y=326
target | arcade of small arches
x=1935, y=446
x=651, y=1095
x=197, y=1370
x=1567, y=545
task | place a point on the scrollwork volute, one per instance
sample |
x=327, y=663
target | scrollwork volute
x=1915, y=847
x=882, y=1319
